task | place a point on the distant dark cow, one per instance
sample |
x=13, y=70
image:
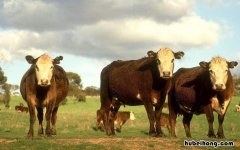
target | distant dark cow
x=45, y=84
x=202, y=90
x=120, y=119
x=144, y=81
x=21, y=108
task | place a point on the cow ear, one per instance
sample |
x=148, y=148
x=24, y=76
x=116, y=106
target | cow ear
x=232, y=64
x=204, y=64
x=30, y=59
x=151, y=54
x=178, y=55
x=57, y=60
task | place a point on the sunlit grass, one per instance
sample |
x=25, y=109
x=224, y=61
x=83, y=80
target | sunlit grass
x=75, y=128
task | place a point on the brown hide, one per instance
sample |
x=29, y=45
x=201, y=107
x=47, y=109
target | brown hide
x=135, y=82
x=59, y=82
x=192, y=94
x=49, y=96
x=193, y=90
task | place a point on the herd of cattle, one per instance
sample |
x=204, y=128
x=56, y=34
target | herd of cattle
x=147, y=81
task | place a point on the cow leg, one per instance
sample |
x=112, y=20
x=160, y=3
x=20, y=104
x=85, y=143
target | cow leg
x=220, y=133
x=32, y=120
x=53, y=120
x=40, y=119
x=158, y=113
x=110, y=123
x=48, y=115
x=150, y=113
x=186, y=123
x=210, y=117
x=172, y=117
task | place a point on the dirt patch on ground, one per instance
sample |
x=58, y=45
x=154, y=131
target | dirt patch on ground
x=5, y=141
x=129, y=143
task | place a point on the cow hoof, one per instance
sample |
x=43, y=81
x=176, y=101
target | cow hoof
x=40, y=134
x=211, y=135
x=221, y=136
x=160, y=135
x=153, y=134
x=53, y=132
x=30, y=136
x=118, y=130
x=48, y=135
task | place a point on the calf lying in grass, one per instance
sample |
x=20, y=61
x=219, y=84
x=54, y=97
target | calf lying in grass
x=237, y=108
x=120, y=119
x=21, y=108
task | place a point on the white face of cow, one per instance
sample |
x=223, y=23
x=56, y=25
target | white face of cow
x=44, y=68
x=165, y=60
x=218, y=69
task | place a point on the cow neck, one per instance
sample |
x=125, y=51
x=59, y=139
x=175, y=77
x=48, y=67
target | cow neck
x=41, y=92
x=158, y=82
x=221, y=95
x=225, y=94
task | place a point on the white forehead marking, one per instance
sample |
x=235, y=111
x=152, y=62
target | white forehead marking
x=218, y=63
x=217, y=107
x=44, y=59
x=165, y=53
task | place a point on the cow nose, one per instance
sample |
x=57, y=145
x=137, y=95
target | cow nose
x=166, y=73
x=219, y=86
x=44, y=81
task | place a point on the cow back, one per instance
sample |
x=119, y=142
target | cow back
x=127, y=79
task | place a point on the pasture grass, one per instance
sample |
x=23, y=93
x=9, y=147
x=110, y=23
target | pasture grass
x=76, y=121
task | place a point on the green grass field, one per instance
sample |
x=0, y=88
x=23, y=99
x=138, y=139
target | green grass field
x=76, y=120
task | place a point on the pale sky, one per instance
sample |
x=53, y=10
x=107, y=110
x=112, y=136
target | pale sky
x=90, y=34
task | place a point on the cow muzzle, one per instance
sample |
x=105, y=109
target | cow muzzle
x=219, y=87
x=44, y=82
x=166, y=75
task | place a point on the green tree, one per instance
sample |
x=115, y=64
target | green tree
x=92, y=91
x=75, y=86
x=5, y=88
x=75, y=79
x=237, y=85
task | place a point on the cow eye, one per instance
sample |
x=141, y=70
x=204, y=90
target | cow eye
x=226, y=70
x=172, y=60
x=158, y=61
x=37, y=68
x=51, y=67
x=211, y=71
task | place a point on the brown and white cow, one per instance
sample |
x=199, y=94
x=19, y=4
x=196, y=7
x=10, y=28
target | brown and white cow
x=144, y=81
x=200, y=90
x=45, y=84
